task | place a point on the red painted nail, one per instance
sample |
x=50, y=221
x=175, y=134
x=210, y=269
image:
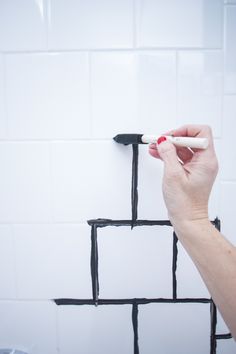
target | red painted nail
x=161, y=139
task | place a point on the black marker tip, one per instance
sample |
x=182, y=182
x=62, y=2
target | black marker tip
x=127, y=139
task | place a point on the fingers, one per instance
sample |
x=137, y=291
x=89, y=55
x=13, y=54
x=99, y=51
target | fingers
x=153, y=151
x=183, y=153
x=193, y=131
x=168, y=154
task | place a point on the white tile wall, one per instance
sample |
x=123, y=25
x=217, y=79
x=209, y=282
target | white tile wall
x=95, y=330
x=7, y=263
x=79, y=24
x=166, y=327
x=133, y=90
x=72, y=75
x=48, y=96
x=228, y=153
x=230, y=50
x=227, y=214
x=200, y=77
x=189, y=281
x=52, y=261
x=3, y=120
x=221, y=327
x=23, y=25
x=151, y=203
x=226, y=346
x=25, y=182
x=29, y=326
x=83, y=188
x=124, y=271
x=184, y=23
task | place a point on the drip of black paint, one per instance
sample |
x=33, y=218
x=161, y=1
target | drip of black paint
x=135, y=326
x=213, y=328
x=94, y=264
x=134, y=188
x=174, y=265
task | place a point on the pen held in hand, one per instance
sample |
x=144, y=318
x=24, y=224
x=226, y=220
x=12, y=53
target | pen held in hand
x=191, y=142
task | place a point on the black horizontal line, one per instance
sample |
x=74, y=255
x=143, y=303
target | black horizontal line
x=109, y=222
x=223, y=336
x=138, y=301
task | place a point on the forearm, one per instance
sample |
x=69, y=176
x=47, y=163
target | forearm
x=215, y=258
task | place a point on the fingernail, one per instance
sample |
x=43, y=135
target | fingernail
x=161, y=139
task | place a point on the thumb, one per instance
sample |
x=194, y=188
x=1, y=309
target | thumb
x=168, y=154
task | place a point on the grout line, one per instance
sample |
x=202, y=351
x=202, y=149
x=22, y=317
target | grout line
x=135, y=326
x=47, y=14
x=129, y=49
x=14, y=262
x=75, y=223
x=176, y=88
x=134, y=24
x=51, y=184
x=174, y=265
x=5, y=103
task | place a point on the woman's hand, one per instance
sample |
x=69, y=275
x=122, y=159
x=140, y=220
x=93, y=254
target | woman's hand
x=188, y=175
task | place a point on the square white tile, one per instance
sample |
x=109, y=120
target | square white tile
x=189, y=281
x=29, y=326
x=3, y=118
x=200, y=79
x=174, y=328
x=25, y=182
x=227, y=214
x=133, y=93
x=79, y=24
x=227, y=151
x=53, y=261
x=226, y=346
x=221, y=327
x=230, y=50
x=151, y=204
x=48, y=96
x=7, y=264
x=91, y=180
x=184, y=23
x=135, y=263
x=23, y=25
x=95, y=330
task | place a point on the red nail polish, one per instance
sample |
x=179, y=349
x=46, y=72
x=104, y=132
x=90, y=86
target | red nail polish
x=161, y=139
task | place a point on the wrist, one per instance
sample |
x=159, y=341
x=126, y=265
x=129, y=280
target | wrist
x=185, y=227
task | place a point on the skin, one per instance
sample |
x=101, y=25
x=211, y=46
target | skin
x=187, y=182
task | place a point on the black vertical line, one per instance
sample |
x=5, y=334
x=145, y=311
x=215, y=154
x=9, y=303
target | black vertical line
x=174, y=265
x=217, y=223
x=94, y=263
x=135, y=326
x=213, y=328
x=134, y=189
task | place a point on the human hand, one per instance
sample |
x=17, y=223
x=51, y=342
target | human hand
x=189, y=175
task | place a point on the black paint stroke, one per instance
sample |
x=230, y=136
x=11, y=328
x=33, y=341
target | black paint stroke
x=134, y=184
x=174, y=265
x=135, y=326
x=94, y=264
x=109, y=222
x=138, y=301
x=224, y=336
x=213, y=328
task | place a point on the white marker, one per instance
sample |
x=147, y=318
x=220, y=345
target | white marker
x=191, y=142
